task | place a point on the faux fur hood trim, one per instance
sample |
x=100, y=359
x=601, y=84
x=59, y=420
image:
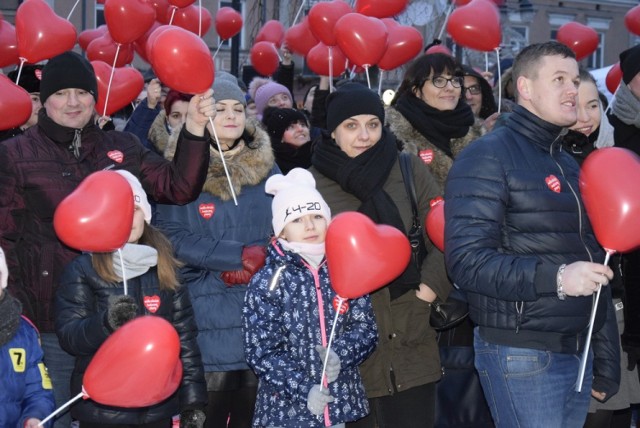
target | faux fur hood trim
x=158, y=134
x=414, y=142
x=247, y=166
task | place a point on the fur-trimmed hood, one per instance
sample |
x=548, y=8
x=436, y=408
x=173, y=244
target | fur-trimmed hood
x=158, y=133
x=247, y=166
x=414, y=142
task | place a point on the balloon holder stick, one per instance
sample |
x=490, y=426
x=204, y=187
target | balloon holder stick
x=224, y=163
x=331, y=336
x=61, y=408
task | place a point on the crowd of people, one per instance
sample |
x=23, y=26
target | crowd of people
x=234, y=192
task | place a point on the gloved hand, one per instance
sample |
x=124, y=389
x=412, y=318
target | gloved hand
x=633, y=356
x=235, y=277
x=253, y=258
x=333, y=363
x=317, y=400
x=192, y=419
x=121, y=309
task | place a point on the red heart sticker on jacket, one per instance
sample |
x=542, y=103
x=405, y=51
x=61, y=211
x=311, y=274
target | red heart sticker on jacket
x=553, y=183
x=426, y=156
x=207, y=210
x=116, y=156
x=152, y=303
x=344, y=306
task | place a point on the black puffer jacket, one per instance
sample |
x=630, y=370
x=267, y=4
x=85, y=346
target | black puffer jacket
x=513, y=215
x=80, y=308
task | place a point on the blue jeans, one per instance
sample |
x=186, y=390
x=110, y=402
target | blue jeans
x=532, y=388
x=60, y=366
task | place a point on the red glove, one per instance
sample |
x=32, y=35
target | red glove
x=253, y=258
x=235, y=277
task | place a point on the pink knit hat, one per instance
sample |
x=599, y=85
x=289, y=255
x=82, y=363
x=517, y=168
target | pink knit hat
x=261, y=90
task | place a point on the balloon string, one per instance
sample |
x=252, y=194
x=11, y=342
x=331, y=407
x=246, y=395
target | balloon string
x=61, y=408
x=124, y=274
x=72, y=9
x=199, y=18
x=585, y=352
x=446, y=19
x=366, y=71
x=499, y=80
x=113, y=70
x=380, y=75
x=277, y=53
x=298, y=13
x=333, y=332
x=219, y=45
x=486, y=61
x=330, y=69
x=22, y=61
x=224, y=163
x=173, y=13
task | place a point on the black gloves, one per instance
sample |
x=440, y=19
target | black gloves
x=121, y=309
x=192, y=419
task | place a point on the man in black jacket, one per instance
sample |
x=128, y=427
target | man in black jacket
x=518, y=241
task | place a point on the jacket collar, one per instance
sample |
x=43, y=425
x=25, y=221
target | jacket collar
x=540, y=132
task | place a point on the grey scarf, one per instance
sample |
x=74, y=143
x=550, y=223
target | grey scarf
x=10, y=310
x=626, y=106
x=137, y=260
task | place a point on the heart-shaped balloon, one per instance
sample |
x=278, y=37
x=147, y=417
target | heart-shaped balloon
x=632, y=20
x=137, y=366
x=403, y=44
x=87, y=36
x=321, y=55
x=381, y=8
x=15, y=104
x=476, y=25
x=104, y=48
x=323, y=17
x=162, y=10
x=264, y=58
x=181, y=3
x=128, y=19
x=155, y=32
x=140, y=45
x=272, y=31
x=42, y=34
x=614, y=76
x=582, y=40
x=8, y=44
x=126, y=85
x=609, y=187
x=435, y=223
x=363, y=256
x=182, y=60
x=97, y=216
x=190, y=18
x=228, y=22
x=362, y=39
x=300, y=39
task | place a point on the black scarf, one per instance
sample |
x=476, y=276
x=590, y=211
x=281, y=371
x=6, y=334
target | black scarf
x=364, y=177
x=10, y=310
x=63, y=134
x=437, y=126
x=289, y=156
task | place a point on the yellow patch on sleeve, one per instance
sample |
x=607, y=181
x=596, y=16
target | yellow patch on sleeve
x=19, y=359
x=46, y=380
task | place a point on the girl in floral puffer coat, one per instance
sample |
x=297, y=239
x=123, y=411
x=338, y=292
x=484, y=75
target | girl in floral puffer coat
x=288, y=314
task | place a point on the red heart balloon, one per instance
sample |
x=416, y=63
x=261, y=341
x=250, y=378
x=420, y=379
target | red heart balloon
x=228, y=22
x=41, y=33
x=323, y=17
x=363, y=256
x=140, y=45
x=189, y=19
x=104, y=48
x=181, y=3
x=97, y=216
x=137, y=366
x=581, y=39
x=152, y=38
x=126, y=85
x=300, y=39
x=272, y=31
x=403, y=44
x=128, y=19
x=476, y=25
x=435, y=223
x=632, y=20
x=15, y=104
x=609, y=185
x=182, y=60
x=614, y=76
x=381, y=8
x=264, y=58
x=162, y=10
x=362, y=39
x=87, y=36
x=318, y=60
x=8, y=45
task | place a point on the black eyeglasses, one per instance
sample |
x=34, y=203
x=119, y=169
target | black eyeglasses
x=441, y=82
x=473, y=89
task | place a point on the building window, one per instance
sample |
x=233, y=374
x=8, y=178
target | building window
x=596, y=60
x=100, y=15
x=226, y=44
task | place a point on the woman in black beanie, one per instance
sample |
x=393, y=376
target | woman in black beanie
x=288, y=130
x=356, y=166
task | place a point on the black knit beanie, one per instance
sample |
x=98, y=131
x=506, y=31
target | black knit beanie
x=352, y=99
x=277, y=120
x=630, y=63
x=29, y=77
x=68, y=70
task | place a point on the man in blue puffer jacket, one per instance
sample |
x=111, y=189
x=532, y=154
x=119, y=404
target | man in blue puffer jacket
x=518, y=241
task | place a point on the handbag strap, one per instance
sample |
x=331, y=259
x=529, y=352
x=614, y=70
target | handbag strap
x=407, y=177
